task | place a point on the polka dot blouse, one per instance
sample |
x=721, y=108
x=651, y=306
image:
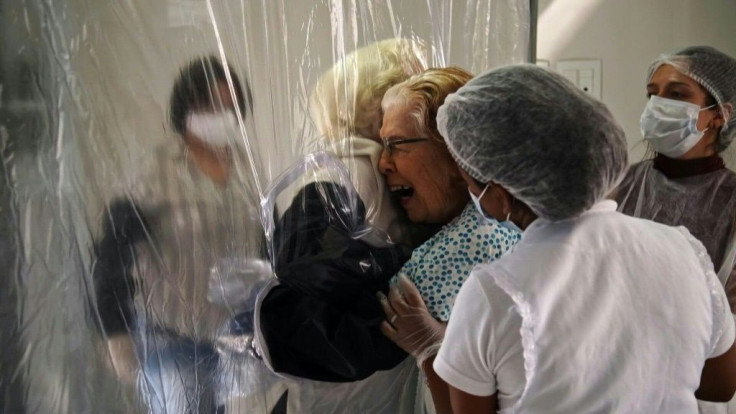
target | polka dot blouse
x=440, y=266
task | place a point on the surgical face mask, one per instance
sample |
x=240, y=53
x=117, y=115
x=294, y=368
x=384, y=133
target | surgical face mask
x=218, y=129
x=508, y=224
x=671, y=126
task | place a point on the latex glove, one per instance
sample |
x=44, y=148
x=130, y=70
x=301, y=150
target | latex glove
x=408, y=322
x=234, y=283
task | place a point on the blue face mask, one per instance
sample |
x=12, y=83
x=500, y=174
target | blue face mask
x=507, y=224
x=510, y=225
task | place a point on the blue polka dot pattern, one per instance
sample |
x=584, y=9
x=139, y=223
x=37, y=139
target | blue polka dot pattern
x=440, y=266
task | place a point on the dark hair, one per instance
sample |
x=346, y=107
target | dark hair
x=193, y=89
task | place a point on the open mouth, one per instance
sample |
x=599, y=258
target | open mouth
x=402, y=192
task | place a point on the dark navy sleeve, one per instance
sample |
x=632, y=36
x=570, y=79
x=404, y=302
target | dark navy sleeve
x=123, y=226
x=323, y=321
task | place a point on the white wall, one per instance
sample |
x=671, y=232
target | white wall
x=627, y=35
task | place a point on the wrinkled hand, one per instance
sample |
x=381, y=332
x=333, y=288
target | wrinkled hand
x=235, y=283
x=408, y=322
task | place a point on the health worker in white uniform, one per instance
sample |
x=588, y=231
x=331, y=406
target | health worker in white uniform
x=592, y=311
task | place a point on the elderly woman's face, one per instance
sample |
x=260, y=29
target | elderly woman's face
x=420, y=172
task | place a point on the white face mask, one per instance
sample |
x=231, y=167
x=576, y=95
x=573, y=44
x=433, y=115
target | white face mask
x=218, y=129
x=508, y=224
x=671, y=126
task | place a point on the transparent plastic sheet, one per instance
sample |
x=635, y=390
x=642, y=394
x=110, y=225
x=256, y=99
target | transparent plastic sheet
x=96, y=181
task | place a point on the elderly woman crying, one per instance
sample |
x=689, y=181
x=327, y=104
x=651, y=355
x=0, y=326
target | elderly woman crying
x=425, y=180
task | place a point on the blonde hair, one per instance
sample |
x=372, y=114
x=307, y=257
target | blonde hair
x=426, y=92
x=347, y=98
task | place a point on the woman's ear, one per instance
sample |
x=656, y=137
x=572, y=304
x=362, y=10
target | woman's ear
x=723, y=113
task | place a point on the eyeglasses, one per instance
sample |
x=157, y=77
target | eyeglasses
x=392, y=145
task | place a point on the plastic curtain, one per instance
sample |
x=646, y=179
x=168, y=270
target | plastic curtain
x=92, y=163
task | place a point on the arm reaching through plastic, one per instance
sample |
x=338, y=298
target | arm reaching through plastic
x=234, y=283
x=309, y=338
x=322, y=321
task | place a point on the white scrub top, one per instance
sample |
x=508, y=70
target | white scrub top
x=602, y=313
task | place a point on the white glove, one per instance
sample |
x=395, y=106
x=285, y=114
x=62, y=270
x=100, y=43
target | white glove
x=408, y=322
x=234, y=283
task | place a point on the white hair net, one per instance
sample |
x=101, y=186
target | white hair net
x=713, y=70
x=533, y=132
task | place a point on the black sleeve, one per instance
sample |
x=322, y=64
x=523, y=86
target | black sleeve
x=123, y=226
x=315, y=251
x=313, y=339
x=323, y=321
